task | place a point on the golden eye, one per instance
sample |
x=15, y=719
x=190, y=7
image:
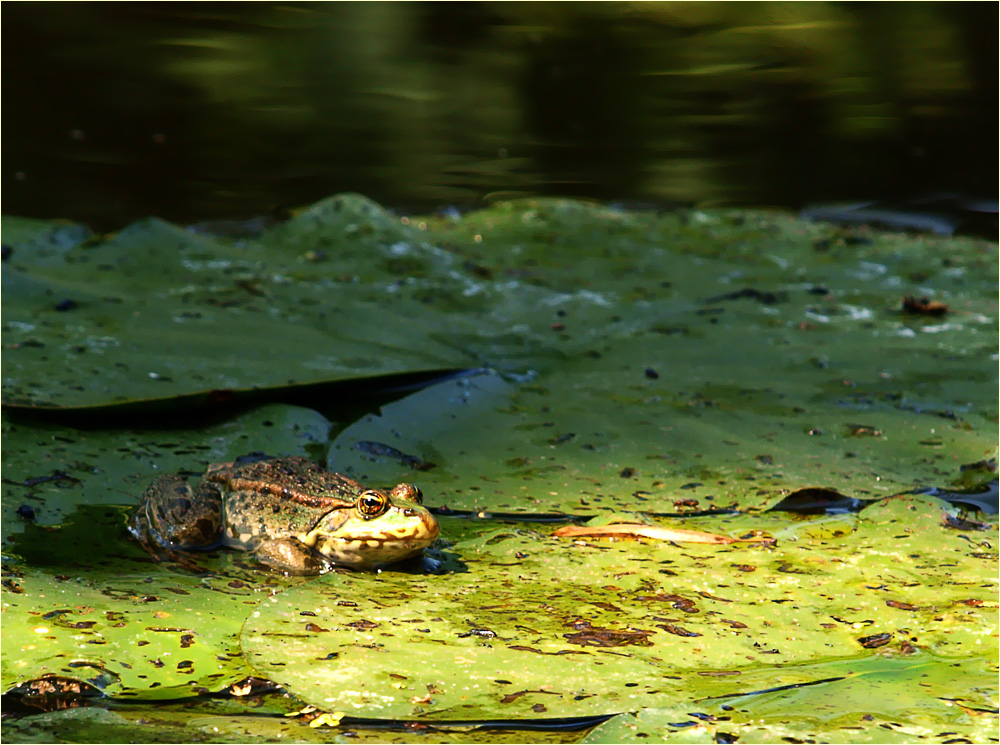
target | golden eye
x=372, y=504
x=408, y=492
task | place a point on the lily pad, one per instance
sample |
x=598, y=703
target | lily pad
x=81, y=600
x=49, y=470
x=542, y=626
x=883, y=699
x=270, y=720
x=597, y=436
x=106, y=623
x=339, y=291
x=155, y=311
x=656, y=368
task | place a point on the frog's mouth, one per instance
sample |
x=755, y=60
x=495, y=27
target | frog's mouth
x=370, y=547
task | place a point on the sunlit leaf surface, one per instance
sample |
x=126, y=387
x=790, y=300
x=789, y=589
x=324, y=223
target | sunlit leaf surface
x=683, y=371
x=536, y=624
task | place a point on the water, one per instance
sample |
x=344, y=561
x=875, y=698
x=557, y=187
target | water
x=196, y=111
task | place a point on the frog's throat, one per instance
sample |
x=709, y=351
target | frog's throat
x=426, y=530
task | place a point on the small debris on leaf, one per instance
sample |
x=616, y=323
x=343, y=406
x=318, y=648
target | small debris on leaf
x=676, y=630
x=637, y=530
x=923, y=306
x=596, y=636
x=380, y=449
x=876, y=640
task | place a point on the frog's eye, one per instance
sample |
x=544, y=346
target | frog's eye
x=408, y=492
x=372, y=504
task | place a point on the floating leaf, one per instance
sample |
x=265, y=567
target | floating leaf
x=537, y=625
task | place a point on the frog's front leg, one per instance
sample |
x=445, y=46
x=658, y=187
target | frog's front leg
x=290, y=555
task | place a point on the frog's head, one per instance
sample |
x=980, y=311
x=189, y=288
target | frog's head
x=378, y=528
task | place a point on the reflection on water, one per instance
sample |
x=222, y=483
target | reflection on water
x=189, y=111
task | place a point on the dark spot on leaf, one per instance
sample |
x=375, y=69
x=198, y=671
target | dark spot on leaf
x=767, y=298
x=606, y=606
x=676, y=630
x=522, y=648
x=989, y=466
x=382, y=450
x=363, y=625
x=483, y=633
x=862, y=430
x=596, y=636
x=677, y=601
x=650, y=373
x=923, y=306
x=67, y=304
x=875, y=640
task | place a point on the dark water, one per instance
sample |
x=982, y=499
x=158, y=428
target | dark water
x=190, y=111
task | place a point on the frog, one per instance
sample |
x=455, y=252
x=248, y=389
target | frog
x=292, y=515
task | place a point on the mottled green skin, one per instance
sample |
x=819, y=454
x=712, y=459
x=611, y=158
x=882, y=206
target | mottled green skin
x=293, y=515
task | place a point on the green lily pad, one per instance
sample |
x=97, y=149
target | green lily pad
x=646, y=367
x=546, y=626
x=81, y=600
x=346, y=289
x=876, y=699
x=238, y=721
x=110, y=624
x=155, y=311
x=596, y=436
x=52, y=469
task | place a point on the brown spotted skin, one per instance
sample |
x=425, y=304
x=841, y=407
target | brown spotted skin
x=295, y=516
x=175, y=517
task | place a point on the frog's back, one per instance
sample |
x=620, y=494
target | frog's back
x=278, y=498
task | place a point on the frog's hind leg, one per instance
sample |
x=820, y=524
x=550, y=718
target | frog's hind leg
x=178, y=517
x=291, y=556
